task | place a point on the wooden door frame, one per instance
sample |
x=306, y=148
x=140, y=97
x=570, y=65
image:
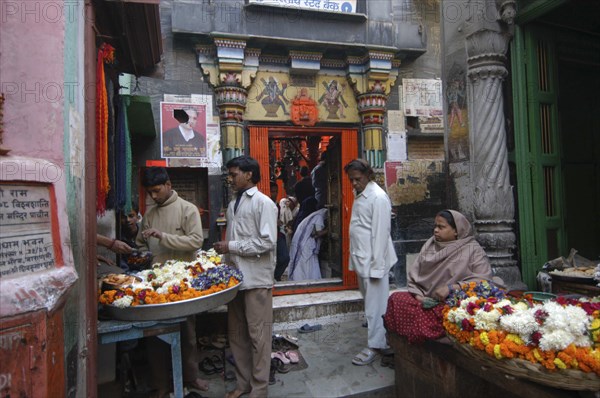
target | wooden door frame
x=258, y=148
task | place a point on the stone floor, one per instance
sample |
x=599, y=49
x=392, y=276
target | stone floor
x=330, y=373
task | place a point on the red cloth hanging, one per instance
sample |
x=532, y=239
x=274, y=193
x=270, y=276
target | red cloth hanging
x=106, y=54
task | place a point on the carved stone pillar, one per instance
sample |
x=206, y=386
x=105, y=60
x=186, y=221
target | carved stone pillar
x=493, y=194
x=371, y=78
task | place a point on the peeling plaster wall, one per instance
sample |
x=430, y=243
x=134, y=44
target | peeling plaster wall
x=41, y=64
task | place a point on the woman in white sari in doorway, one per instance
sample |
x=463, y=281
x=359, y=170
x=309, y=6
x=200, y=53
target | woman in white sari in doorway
x=306, y=243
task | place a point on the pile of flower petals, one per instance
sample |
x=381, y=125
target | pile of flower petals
x=563, y=333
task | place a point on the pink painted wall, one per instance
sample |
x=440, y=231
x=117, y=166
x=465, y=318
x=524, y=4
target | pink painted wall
x=32, y=70
x=32, y=77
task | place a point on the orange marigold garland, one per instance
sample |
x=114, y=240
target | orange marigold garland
x=106, y=54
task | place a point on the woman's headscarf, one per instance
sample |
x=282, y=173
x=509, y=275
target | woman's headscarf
x=443, y=263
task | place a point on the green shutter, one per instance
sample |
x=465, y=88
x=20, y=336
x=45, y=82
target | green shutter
x=537, y=150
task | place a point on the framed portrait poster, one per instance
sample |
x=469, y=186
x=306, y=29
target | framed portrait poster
x=183, y=130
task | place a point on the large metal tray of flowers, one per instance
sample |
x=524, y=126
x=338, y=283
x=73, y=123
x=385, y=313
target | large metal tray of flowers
x=177, y=309
x=173, y=289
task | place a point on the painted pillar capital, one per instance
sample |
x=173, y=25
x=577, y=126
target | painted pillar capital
x=375, y=68
x=226, y=57
x=486, y=54
x=231, y=68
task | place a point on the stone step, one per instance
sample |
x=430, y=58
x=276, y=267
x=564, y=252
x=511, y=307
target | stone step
x=293, y=311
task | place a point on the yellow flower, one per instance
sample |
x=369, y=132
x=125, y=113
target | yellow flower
x=559, y=364
x=595, y=328
x=497, y=351
x=514, y=338
x=484, y=338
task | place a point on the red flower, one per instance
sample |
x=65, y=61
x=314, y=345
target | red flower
x=471, y=307
x=540, y=316
x=589, y=308
x=507, y=309
x=466, y=325
x=535, y=338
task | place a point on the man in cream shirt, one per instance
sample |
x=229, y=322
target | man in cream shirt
x=372, y=252
x=250, y=247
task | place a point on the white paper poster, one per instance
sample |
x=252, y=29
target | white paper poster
x=396, y=146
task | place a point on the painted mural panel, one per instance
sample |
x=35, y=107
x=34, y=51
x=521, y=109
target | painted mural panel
x=457, y=114
x=272, y=93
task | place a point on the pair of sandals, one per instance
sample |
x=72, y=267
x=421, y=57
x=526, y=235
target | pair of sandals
x=280, y=362
x=286, y=357
x=216, y=341
x=211, y=365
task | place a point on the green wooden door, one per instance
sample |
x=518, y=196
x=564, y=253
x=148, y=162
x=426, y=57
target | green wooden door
x=537, y=149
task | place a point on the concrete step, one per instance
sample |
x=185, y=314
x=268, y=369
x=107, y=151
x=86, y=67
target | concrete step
x=293, y=311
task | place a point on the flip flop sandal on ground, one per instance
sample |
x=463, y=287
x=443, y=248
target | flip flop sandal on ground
x=365, y=357
x=217, y=362
x=280, y=356
x=290, y=339
x=281, y=367
x=292, y=356
x=218, y=341
x=204, y=341
x=197, y=385
x=229, y=375
x=306, y=328
x=207, y=366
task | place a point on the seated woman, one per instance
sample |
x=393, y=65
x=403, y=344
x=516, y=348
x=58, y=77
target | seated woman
x=450, y=257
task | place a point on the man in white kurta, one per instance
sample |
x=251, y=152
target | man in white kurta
x=372, y=252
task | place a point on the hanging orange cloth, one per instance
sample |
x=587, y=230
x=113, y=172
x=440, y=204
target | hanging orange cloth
x=106, y=54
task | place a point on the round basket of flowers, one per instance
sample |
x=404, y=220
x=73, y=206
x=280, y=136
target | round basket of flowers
x=174, y=289
x=554, y=342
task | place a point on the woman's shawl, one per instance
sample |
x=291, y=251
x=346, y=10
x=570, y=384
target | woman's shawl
x=440, y=264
